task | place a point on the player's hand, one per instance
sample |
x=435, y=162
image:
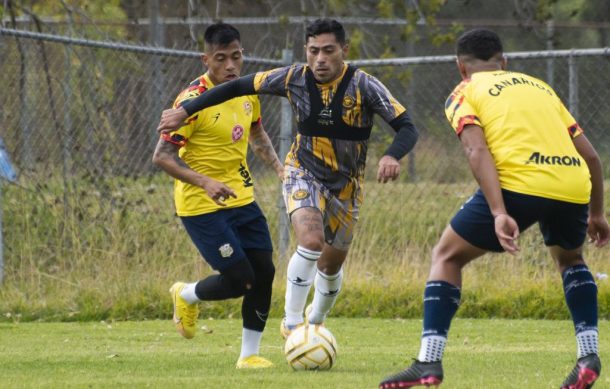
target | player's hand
x=218, y=191
x=507, y=232
x=389, y=169
x=598, y=231
x=171, y=120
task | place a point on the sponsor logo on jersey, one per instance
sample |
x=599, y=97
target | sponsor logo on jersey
x=516, y=81
x=225, y=250
x=248, y=108
x=300, y=194
x=348, y=101
x=238, y=132
x=325, y=117
x=245, y=174
x=561, y=160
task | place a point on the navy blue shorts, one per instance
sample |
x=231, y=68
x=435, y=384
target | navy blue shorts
x=222, y=236
x=562, y=224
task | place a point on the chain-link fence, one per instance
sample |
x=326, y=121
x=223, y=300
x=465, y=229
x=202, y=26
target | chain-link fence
x=78, y=118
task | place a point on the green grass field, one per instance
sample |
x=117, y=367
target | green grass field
x=480, y=354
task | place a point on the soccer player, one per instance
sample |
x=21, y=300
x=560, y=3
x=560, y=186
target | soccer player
x=334, y=104
x=214, y=197
x=533, y=164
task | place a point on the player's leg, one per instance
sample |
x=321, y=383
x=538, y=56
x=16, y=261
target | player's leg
x=442, y=293
x=257, y=302
x=251, y=227
x=305, y=206
x=441, y=301
x=220, y=248
x=340, y=220
x=581, y=298
x=564, y=231
x=471, y=233
x=301, y=271
x=328, y=281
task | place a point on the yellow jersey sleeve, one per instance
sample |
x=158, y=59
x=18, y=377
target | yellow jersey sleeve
x=570, y=123
x=458, y=109
x=195, y=88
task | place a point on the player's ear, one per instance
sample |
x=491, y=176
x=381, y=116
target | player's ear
x=204, y=59
x=461, y=68
x=504, y=62
x=345, y=49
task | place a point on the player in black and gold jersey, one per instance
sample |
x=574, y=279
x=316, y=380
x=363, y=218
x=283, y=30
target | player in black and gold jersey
x=334, y=104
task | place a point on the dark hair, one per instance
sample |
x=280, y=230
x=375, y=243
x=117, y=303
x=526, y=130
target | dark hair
x=323, y=26
x=479, y=43
x=221, y=34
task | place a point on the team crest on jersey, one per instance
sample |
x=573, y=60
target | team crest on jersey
x=238, y=132
x=225, y=250
x=300, y=194
x=348, y=101
x=247, y=108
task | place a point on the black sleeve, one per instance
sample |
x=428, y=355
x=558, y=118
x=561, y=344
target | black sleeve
x=405, y=138
x=243, y=86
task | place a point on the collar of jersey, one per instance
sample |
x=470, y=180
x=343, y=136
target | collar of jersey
x=208, y=80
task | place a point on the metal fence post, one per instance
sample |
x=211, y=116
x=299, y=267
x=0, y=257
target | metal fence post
x=411, y=171
x=156, y=31
x=285, y=141
x=572, y=86
x=550, y=46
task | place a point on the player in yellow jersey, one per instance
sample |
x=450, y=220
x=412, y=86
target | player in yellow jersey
x=334, y=105
x=214, y=197
x=533, y=165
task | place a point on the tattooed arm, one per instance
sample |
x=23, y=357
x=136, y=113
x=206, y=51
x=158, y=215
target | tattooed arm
x=262, y=147
x=166, y=157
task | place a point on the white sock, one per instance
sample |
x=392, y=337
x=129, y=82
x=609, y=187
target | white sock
x=327, y=290
x=250, y=342
x=299, y=277
x=188, y=293
x=432, y=348
x=587, y=343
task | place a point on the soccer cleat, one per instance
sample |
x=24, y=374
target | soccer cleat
x=584, y=374
x=308, y=311
x=419, y=373
x=253, y=362
x=286, y=330
x=185, y=314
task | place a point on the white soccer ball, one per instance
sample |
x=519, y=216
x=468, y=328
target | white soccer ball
x=311, y=347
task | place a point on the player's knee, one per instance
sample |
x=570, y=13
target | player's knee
x=445, y=255
x=313, y=242
x=265, y=274
x=439, y=254
x=243, y=284
x=262, y=264
x=568, y=261
x=241, y=280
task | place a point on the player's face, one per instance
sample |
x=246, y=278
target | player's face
x=325, y=56
x=223, y=62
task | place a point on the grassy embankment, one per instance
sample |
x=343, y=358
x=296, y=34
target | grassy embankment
x=113, y=252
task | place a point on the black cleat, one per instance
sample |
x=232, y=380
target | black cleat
x=584, y=374
x=419, y=373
